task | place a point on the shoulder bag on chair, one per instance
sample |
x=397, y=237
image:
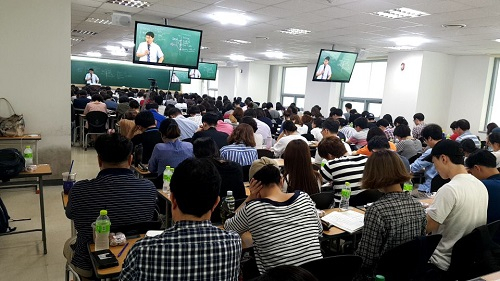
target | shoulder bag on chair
x=12, y=126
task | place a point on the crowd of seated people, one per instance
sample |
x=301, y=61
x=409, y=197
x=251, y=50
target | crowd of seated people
x=202, y=136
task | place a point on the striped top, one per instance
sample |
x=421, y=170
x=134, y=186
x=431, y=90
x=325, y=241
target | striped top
x=127, y=199
x=239, y=153
x=283, y=232
x=345, y=169
x=469, y=135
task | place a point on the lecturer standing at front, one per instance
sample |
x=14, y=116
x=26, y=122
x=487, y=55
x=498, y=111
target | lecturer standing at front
x=91, y=78
x=149, y=51
x=324, y=71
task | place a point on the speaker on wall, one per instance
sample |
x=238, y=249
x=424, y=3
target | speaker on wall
x=121, y=19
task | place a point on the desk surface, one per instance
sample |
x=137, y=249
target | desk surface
x=495, y=276
x=41, y=170
x=25, y=137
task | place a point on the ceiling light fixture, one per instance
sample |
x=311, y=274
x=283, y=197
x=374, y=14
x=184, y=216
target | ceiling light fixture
x=131, y=3
x=236, y=41
x=94, y=54
x=295, y=31
x=101, y=21
x=401, y=48
x=204, y=48
x=274, y=54
x=497, y=40
x=237, y=57
x=127, y=44
x=231, y=18
x=454, y=25
x=119, y=53
x=400, y=13
x=85, y=32
x=409, y=41
x=77, y=39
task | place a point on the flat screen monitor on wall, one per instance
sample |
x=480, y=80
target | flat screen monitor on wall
x=334, y=66
x=166, y=45
x=178, y=76
x=205, y=70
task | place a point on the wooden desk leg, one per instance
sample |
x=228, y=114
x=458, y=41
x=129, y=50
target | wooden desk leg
x=42, y=215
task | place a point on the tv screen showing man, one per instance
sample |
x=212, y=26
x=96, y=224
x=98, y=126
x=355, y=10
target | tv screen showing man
x=324, y=71
x=149, y=51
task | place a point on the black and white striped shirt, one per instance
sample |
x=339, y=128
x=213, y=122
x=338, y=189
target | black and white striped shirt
x=345, y=169
x=127, y=199
x=283, y=232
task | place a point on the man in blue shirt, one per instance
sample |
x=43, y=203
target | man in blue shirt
x=482, y=165
x=432, y=134
x=153, y=107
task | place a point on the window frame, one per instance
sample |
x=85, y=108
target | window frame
x=491, y=97
x=282, y=92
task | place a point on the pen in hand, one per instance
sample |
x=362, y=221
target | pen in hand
x=123, y=249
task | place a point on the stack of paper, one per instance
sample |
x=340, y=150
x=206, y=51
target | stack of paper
x=349, y=221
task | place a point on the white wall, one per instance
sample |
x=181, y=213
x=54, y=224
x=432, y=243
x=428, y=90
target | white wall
x=436, y=82
x=324, y=94
x=242, y=77
x=196, y=86
x=470, y=92
x=227, y=81
x=402, y=87
x=275, y=83
x=258, y=82
x=35, y=71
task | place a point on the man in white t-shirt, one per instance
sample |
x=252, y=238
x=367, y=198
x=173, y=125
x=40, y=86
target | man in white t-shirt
x=194, y=73
x=149, y=51
x=459, y=206
x=324, y=71
x=91, y=78
x=330, y=128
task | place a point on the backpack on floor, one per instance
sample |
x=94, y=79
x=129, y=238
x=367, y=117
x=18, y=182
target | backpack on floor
x=4, y=219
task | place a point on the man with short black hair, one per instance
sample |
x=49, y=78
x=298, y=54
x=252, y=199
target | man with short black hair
x=91, y=78
x=153, y=108
x=378, y=143
x=385, y=126
x=195, y=114
x=150, y=135
x=459, y=206
x=418, y=119
x=81, y=101
x=127, y=199
x=207, y=129
x=432, y=134
x=330, y=128
x=348, y=107
x=482, y=165
x=324, y=71
x=359, y=138
x=336, y=113
x=463, y=127
x=149, y=51
x=186, y=126
x=371, y=120
x=262, y=128
x=192, y=249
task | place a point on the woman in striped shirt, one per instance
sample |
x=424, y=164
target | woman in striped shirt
x=241, y=148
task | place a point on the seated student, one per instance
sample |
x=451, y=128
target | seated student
x=301, y=128
x=373, y=132
x=341, y=167
x=386, y=127
x=378, y=143
x=288, y=220
x=122, y=106
x=298, y=170
x=407, y=145
x=289, y=133
x=241, y=146
x=81, y=101
x=317, y=128
x=186, y=126
x=195, y=114
x=453, y=127
x=172, y=151
x=468, y=146
x=359, y=138
x=393, y=219
x=418, y=119
x=149, y=136
x=96, y=104
x=463, y=127
x=494, y=144
x=127, y=199
x=153, y=107
x=345, y=129
x=257, y=137
x=192, y=249
x=110, y=103
x=482, y=165
x=207, y=129
x=127, y=124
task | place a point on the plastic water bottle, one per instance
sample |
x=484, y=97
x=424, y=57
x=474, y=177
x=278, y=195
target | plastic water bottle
x=102, y=228
x=227, y=208
x=28, y=156
x=345, y=194
x=408, y=186
x=379, y=278
x=167, y=176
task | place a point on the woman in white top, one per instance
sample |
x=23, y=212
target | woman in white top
x=494, y=143
x=259, y=140
x=289, y=133
x=301, y=129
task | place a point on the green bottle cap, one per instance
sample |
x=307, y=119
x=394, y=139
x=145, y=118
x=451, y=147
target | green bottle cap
x=28, y=146
x=104, y=212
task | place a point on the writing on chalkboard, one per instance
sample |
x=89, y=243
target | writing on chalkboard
x=183, y=44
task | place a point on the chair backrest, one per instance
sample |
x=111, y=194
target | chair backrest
x=265, y=153
x=246, y=170
x=365, y=197
x=97, y=121
x=338, y=268
x=414, y=157
x=476, y=253
x=308, y=136
x=323, y=200
x=136, y=228
x=437, y=182
x=408, y=260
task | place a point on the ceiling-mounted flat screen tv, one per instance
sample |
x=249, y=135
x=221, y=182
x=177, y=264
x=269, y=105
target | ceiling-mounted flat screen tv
x=178, y=76
x=166, y=45
x=334, y=66
x=205, y=70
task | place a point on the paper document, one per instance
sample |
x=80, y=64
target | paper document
x=349, y=221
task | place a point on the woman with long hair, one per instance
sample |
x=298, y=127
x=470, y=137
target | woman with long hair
x=298, y=173
x=241, y=148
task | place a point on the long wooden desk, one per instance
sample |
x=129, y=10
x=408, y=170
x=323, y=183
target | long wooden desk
x=20, y=143
x=495, y=276
x=42, y=170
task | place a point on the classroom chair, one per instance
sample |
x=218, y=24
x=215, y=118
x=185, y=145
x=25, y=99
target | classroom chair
x=97, y=121
x=323, y=200
x=408, y=260
x=68, y=270
x=338, y=268
x=265, y=153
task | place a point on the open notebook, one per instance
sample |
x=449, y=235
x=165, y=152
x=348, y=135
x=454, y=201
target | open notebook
x=349, y=221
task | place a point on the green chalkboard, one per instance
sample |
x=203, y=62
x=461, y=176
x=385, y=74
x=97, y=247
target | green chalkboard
x=183, y=76
x=180, y=47
x=120, y=74
x=208, y=71
x=341, y=65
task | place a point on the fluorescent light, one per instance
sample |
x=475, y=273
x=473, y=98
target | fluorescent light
x=400, y=13
x=128, y=44
x=295, y=31
x=409, y=41
x=497, y=40
x=131, y=3
x=113, y=48
x=236, y=41
x=119, y=52
x=101, y=21
x=237, y=57
x=85, y=32
x=231, y=18
x=401, y=48
x=204, y=48
x=77, y=39
x=274, y=54
x=94, y=54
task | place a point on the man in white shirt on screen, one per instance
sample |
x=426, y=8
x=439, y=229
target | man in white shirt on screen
x=194, y=73
x=174, y=78
x=324, y=71
x=149, y=51
x=91, y=78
